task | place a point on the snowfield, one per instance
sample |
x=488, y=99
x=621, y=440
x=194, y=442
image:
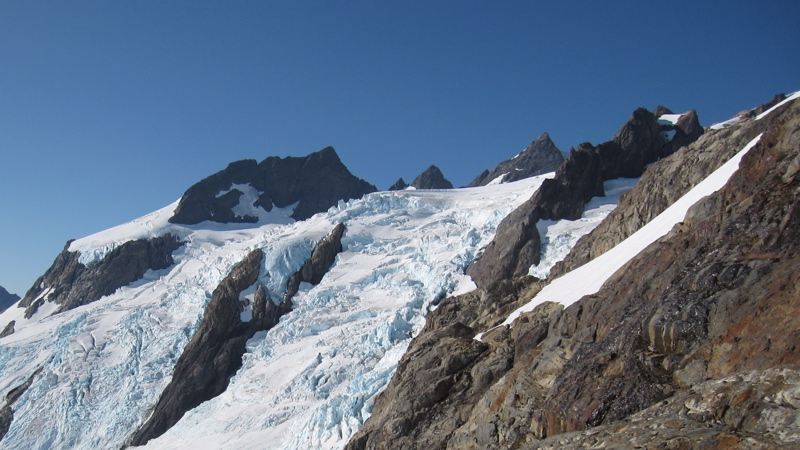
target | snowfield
x=307, y=383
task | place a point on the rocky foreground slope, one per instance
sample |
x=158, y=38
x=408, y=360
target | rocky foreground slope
x=693, y=344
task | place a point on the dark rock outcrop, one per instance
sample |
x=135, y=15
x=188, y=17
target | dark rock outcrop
x=517, y=242
x=315, y=182
x=399, y=185
x=9, y=329
x=214, y=354
x=766, y=106
x=431, y=178
x=72, y=284
x=7, y=412
x=7, y=299
x=691, y=345
x=542, y=156
x=322, y=258
x=651, y=195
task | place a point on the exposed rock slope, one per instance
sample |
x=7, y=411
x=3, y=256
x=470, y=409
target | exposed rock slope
x=691, y=345
x=652, y=195
x=542, y=156
x=70, y=284
x=315, y=182
x=215, y=352
x=517, y=244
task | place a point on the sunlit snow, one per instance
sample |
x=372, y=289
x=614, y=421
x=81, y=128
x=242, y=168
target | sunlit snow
x=307, y=383
x=559, y=236
x=589, y=278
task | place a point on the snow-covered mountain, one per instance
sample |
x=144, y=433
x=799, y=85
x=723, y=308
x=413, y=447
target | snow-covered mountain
x=359, y=324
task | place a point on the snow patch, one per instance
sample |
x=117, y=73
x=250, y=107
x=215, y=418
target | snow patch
x=589, y=278
x=785, y=101
x=560, y=236
x=669, y=119
x=497, y=180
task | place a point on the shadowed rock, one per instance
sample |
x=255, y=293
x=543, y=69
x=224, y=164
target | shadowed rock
x=542, y=156
x=7, y=299
x=315, y=182
x=214, y=354
x=432, y=178
x=72, y=284
x=517, y=244
x=7, y=412
x=321, y=260
x=399, y=185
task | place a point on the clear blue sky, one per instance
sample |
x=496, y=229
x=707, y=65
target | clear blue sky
x=110, y=110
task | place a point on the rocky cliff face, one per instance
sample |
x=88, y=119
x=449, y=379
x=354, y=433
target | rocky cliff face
x=542, y=156
x=70, y=284
x=431, y=178
x=315, y=182
x=215, y=352
x=641, y=141
x=652, y=195
x=691, y=345
x=7, y=299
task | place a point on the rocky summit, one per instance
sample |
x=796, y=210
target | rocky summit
x=7, y=299
x=540, y=157
x=313, y=183
x=641, y=293
x=431, y=178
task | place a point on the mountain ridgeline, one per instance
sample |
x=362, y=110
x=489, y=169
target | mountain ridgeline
x=359, y=326
x=314, y=182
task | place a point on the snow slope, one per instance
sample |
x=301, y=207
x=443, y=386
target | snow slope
x=307, y=383
x=589, y=278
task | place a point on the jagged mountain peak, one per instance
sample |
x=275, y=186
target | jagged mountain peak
x=245, y=190
x=541, y=156
x=431, y=178
x=398, y=185
x=7, y=299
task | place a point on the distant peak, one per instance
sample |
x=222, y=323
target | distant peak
x=399, y=185
x=432, y=178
